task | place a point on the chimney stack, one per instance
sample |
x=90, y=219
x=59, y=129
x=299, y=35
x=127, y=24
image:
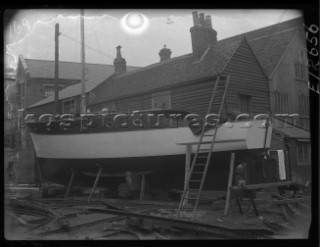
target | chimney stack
x=164, y=54
x=119, y=63
x=202, y=34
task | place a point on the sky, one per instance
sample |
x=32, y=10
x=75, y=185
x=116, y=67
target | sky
x=140, y=33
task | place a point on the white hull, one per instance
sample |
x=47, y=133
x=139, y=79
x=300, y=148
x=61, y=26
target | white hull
x=147, y=143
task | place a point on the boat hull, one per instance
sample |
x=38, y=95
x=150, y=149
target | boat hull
x=160, y=151
x=149, y=143
x=163, y=172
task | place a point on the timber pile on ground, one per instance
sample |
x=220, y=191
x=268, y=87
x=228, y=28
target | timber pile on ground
x=31, y=217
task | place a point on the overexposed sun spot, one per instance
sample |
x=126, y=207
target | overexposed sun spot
x=134, y=23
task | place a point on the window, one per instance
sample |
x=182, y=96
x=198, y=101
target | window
x=281, y=103
x=161, y=100
x=48, y=91
x=69, y=106
x=303, y=153
x=300, y=71
x=245, y=103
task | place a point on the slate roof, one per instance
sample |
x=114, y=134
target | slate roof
x=174, y=71
x=95, y=74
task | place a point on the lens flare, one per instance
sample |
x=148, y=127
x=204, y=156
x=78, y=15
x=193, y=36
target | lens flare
x=134, y=23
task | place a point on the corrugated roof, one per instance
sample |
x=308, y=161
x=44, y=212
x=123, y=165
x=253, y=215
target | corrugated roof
x=95, y=74
x=168, y=73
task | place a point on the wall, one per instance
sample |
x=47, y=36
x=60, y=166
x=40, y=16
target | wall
x=299, y=174
x=125, y=104
x=35, y=88
x=284, y=79
x=247, y=77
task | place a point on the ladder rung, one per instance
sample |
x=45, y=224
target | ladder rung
x=195, y=180
x=191, y=198
x=190, y=190
x=202, y=157
x=197, y=172
x=199, y=164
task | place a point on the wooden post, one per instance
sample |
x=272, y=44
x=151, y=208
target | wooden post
x=70, y=183
x=56, y=71
x=142, y=187
x=187, y=172
x=226, y=209
x=95, y=183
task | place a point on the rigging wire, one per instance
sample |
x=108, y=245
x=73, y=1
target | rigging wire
x=97, y=40
x=50, y=43
x=93, y=49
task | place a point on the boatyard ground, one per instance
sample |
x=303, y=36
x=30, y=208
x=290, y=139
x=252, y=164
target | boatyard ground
x=30, y=217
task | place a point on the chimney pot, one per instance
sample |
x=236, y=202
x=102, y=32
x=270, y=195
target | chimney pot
x=118, y=51
x=195, y=18
x=119, y=63
x=208, y=21
x=202, y=22
x=164, y=54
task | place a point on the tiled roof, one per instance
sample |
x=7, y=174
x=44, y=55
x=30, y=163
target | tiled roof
x=67, y=70
x=95, y=74
x=273, y=29
x=168, y=73
x=269, y=43
x=270, y=49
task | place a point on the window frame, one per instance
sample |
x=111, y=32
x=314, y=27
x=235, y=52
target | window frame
x=248, y=96
x=161, y=93
x=303, y=153
x=68, y=101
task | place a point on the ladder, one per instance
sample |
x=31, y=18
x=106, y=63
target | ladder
x=202, y=156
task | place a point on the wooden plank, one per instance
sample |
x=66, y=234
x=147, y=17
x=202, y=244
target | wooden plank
x=70, y=183
x=264, y=185
x=95, y=183
x=283, y=201
x=142, y=187
x=187, y=172
x=226, y=209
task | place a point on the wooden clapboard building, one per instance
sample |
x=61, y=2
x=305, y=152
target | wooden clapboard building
x=186, y=83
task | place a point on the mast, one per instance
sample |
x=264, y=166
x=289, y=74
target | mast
x=56, y=71
x=83, y=89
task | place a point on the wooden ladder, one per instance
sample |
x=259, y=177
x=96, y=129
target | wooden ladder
x=202, y=156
